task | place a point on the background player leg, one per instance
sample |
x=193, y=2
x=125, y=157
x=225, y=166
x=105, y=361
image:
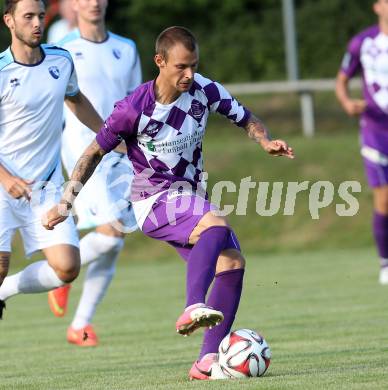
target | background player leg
x=380, y=229
x=102, y=257
x=62, y=266
x=4, y=266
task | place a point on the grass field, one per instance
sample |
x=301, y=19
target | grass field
x=323, y=314
x=311, y=285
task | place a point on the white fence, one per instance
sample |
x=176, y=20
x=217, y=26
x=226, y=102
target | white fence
x=305, y=88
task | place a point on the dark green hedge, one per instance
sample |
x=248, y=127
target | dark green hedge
x=242, y=40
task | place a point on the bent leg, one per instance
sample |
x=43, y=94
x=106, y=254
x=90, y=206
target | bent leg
x=99, y=274
x=62, y=266
x=380, y=223
x=64, y=260
x=225, y=297
x=209, y=238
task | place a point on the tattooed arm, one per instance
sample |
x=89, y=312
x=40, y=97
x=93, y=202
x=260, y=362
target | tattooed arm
x=84, y=168
x=256, y=130
x=258, y=133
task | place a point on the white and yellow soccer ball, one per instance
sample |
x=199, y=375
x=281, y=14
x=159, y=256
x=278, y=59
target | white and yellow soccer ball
x=244, y=353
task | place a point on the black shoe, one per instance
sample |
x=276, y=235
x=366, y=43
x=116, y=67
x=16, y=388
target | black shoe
x=2, y=307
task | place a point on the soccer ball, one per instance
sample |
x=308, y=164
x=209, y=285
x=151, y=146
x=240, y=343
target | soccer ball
x=244, y=353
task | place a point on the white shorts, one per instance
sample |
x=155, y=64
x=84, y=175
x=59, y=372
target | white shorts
x=26, y=216
x=104, y=199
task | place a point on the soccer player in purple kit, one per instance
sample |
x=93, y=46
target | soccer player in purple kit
x=367, y=54
x=163, y=123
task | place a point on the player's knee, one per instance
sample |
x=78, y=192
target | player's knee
x=230, y=259
x=68, y=272
x=109, y=243
x=381, y=200
x=208, y=221
x=381, y=207
x=110, y=231
x=212, y=220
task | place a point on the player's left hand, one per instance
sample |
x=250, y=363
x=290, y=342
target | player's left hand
x=278, y=148
x=56, y=215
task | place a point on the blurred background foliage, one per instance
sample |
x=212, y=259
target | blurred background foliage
x=243, y=40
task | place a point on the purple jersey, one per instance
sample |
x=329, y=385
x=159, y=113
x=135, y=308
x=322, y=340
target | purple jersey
x=368, y=53
x=164, y=141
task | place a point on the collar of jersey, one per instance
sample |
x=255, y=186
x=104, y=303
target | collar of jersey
x=161, y=105
x=97, y=43
x=29, y=65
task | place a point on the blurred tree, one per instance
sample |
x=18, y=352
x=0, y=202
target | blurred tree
x=242, y=40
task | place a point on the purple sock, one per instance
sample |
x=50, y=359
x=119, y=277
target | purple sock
x=225, y=296
x=202, y=261
x=380, y=230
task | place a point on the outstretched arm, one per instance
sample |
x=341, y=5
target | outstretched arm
x=84, y=168
x=258, y=133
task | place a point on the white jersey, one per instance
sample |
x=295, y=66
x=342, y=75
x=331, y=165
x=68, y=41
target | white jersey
x=31, y=109
x=107, y=72
x=58, y=30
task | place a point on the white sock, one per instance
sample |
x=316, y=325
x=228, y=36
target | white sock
x=95, y=244
x=36, y=278
x=98, y=277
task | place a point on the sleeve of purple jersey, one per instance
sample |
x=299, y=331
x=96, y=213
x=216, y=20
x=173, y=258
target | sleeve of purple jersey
x=221, y=101
x=118, y=126
x=351, y=63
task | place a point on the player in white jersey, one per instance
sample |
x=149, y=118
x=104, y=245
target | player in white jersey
x=163, y=123
x=108, y=69
x=67, y=23
x=35, y=79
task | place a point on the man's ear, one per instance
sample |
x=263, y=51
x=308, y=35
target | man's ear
x=376, y=8
x=159, y=61
x=8, y=20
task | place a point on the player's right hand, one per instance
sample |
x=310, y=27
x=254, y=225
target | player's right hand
x=354, y=107
x=56, y=215
x=18, y=188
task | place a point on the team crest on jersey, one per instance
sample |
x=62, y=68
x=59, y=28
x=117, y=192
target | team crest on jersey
x=153, y=127
x=197, y=110
x=117, y=53
x=14, y=82
x=54, y=71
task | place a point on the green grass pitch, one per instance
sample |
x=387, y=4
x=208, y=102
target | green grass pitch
x=323, y=314
x=320, y=308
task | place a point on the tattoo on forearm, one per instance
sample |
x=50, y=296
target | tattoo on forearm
x=256, y=130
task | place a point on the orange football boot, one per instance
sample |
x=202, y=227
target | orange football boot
x=84, y=337
x=57, y=300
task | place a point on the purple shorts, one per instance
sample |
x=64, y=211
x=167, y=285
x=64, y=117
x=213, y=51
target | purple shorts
x=374, y=149
x=172, y=219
